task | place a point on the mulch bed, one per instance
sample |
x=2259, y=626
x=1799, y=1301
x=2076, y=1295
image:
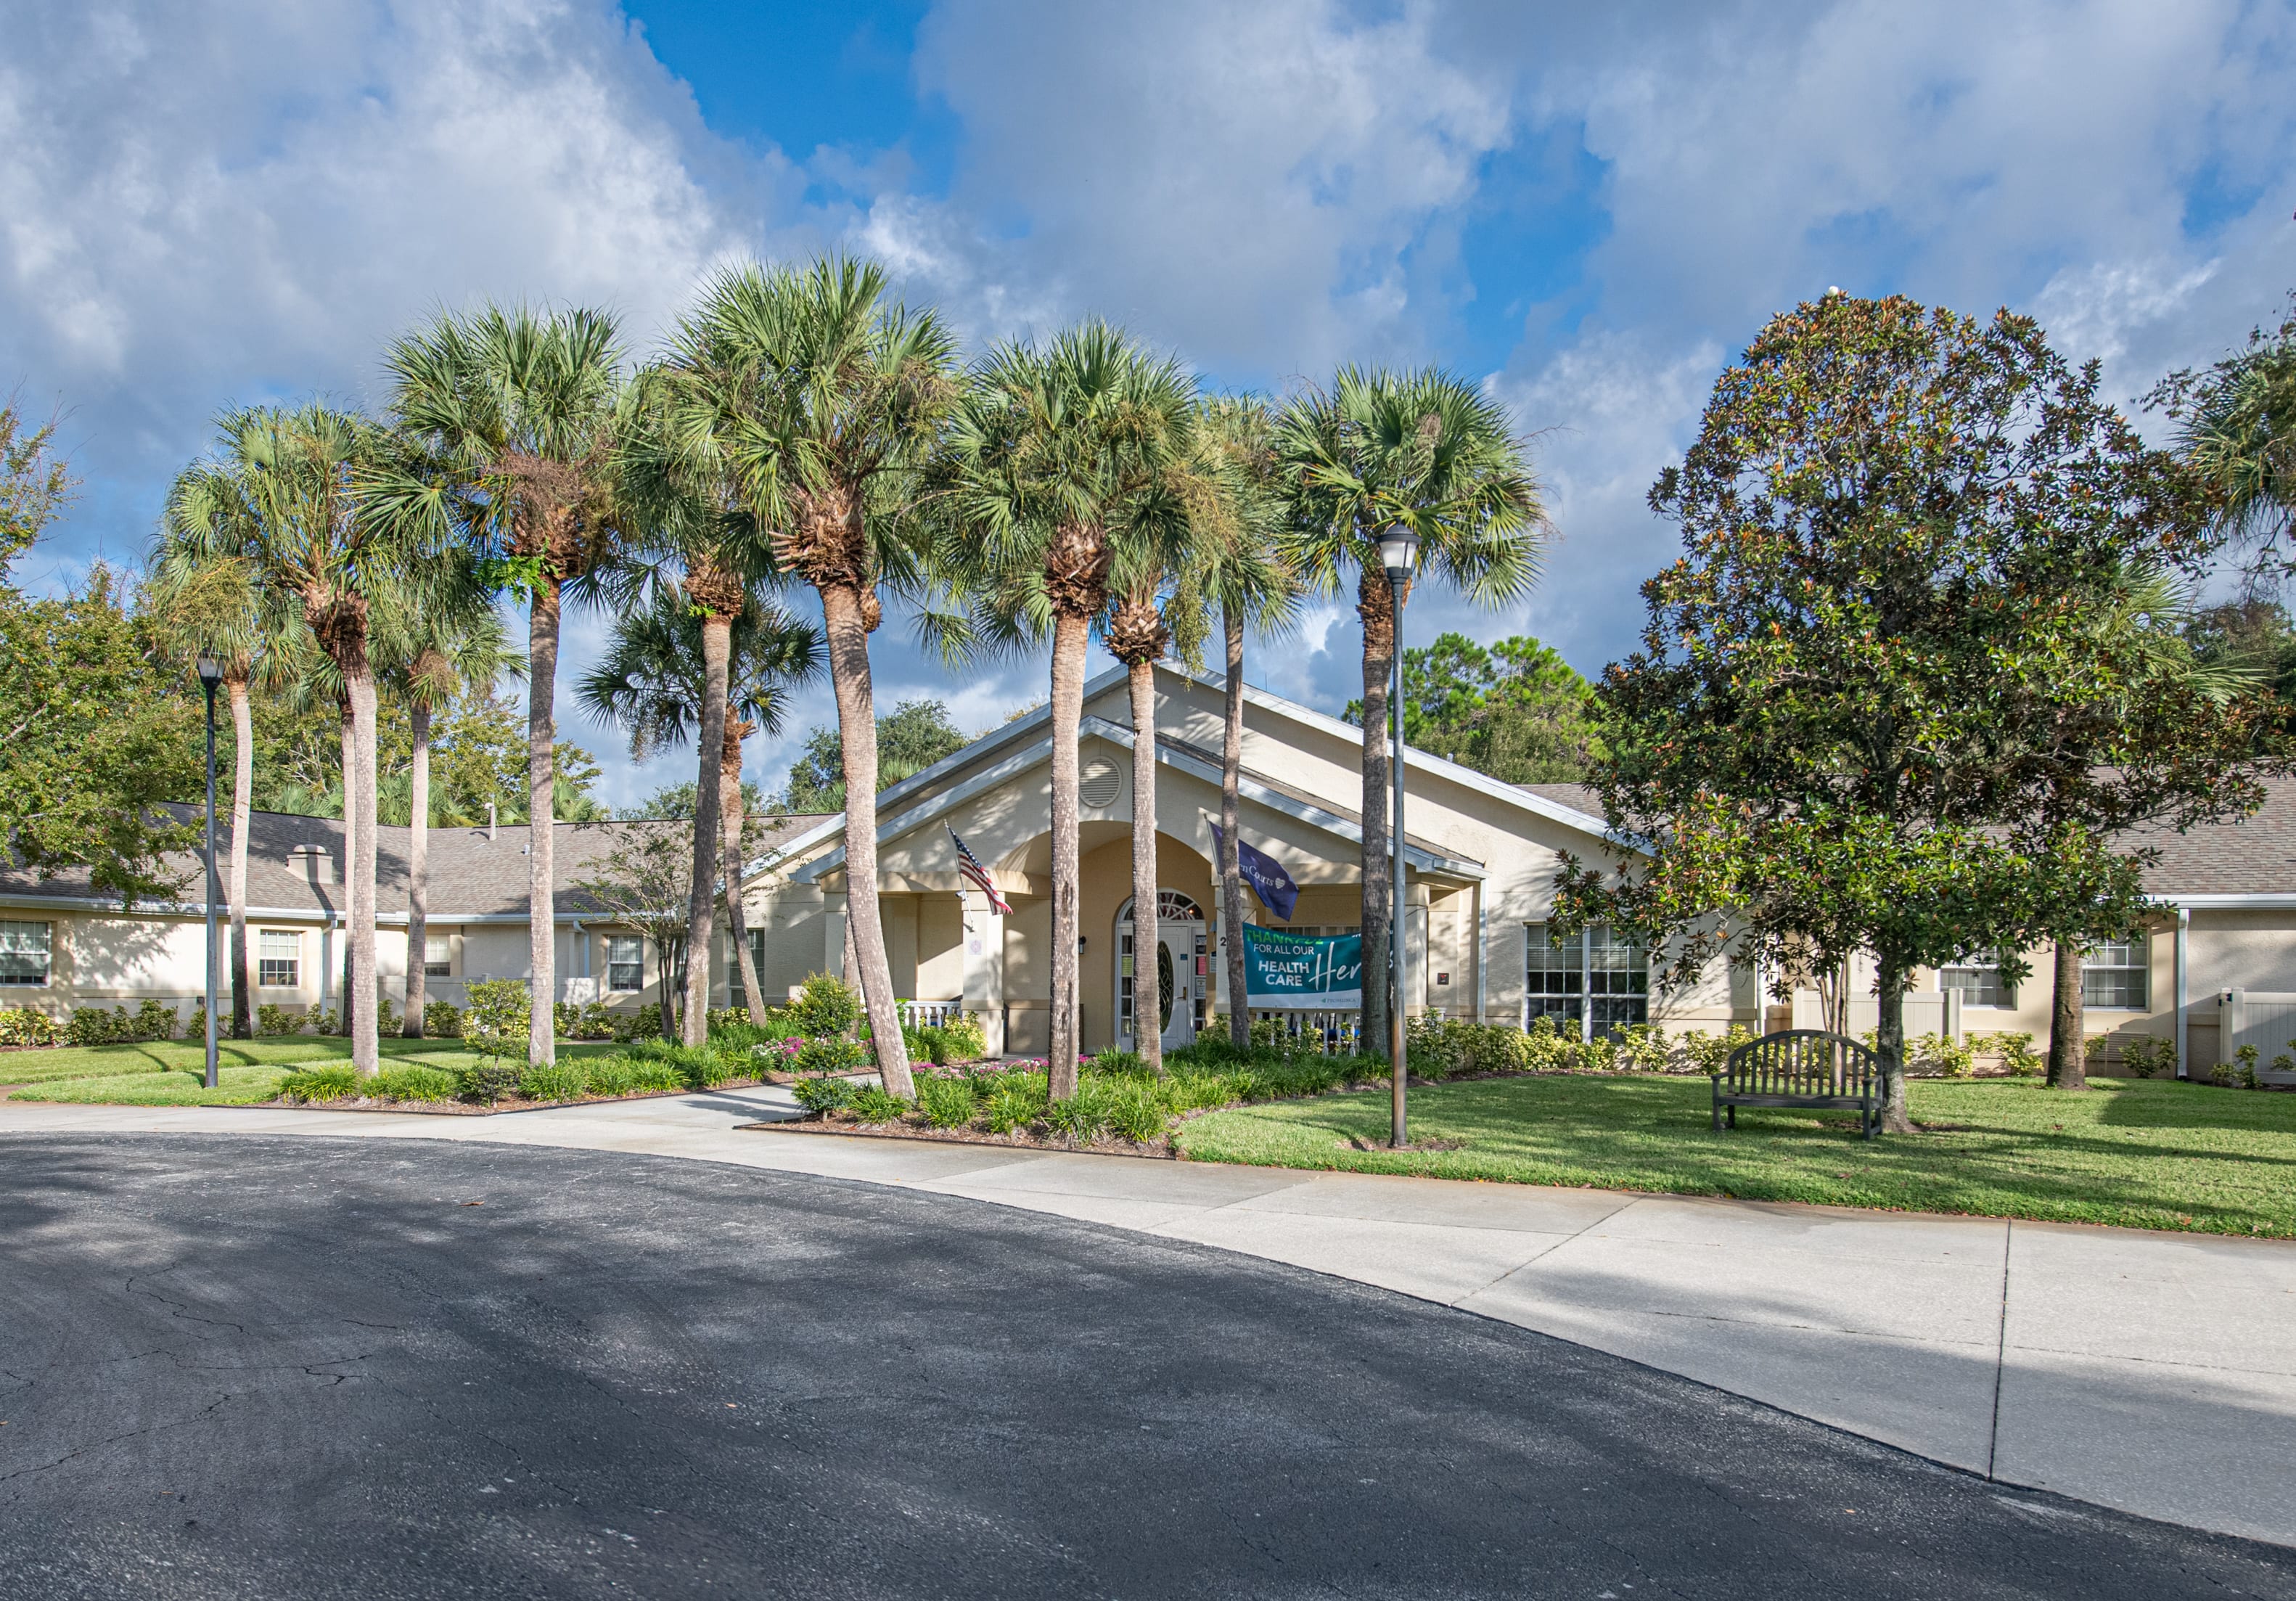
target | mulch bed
x=501, y=1108
x=964, y=1137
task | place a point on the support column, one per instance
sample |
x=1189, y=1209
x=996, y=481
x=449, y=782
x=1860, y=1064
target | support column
x=984, y=968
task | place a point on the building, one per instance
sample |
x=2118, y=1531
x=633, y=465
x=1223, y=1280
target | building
x=2217, y=968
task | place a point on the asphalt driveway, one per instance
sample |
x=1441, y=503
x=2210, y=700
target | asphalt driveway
x=302, y=1367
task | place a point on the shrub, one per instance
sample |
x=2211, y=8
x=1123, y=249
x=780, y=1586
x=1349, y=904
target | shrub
x=819, y=1095
x=195, y=1026
x=387, y=1020
x=1082, y=1116
x=2012, y=1050
x=2145, y=1056
x=961, y=1039
x=554, y=1080
x=644, y=1023
x=26, y=1025
x=872, y=1103
x=155, y=1020
x=1711, y=1053
x=1135, y=1113
x=411, y=1081
x=328, y=1081
x=487, y=1079
x=587, y=1019
x=271, y=1022
x=825, y=1005
x=1643, y=1048
x=1933, y=1056
x=736, y=1044
x=1017, y=1100
x=325, y=1022
x=628, y=1073
x=831, y=1053
x=498, y=1020
x=697, y=1067
x=442, y=1020
x=92, y=1025
x=946, y=1103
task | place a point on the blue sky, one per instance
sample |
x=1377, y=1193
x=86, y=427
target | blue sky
x=1587, y=209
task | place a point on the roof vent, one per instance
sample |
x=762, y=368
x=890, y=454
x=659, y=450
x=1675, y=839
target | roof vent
x=311, y=864
x=1098, y=785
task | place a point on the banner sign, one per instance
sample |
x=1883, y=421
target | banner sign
x=1263, y=874
x=1310, y=973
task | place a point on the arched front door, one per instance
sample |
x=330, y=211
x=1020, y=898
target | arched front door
x=1182, y=968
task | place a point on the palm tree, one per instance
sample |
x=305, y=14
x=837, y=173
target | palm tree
x=653, y=681
x=513, y=415
x=2236, y=428
x=279, y=493
x=457, y=643
x=1425, y=451
x=1070, y=476
x=814, y=401
x=1242, y=572
x=212, y=608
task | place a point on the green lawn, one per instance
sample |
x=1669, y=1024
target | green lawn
x=2141, y=1153
x=169, y=1072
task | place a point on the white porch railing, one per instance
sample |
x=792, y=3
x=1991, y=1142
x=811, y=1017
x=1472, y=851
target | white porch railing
x=1329, y=1033
x=930, y=1014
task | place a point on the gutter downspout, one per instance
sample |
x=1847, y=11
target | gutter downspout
x=1478, y=951
x=327, y=960
x=2183, y=928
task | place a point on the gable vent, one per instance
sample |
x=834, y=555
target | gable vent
x=1098, y=785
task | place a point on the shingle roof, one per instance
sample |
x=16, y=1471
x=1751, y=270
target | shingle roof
x=470, y=875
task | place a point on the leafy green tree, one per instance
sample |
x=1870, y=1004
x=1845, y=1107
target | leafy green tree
x=1070, y=475
x=1426, y=451
x=1515, y=709
x=512, y=419
x=1900, y=529
x=2253, y=636
x=2236, y=427
x=814, y=401
x=645, y=882
x=654, y=681
x=910, y=738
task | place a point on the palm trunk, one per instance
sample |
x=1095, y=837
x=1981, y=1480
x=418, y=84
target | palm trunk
x=667, y=1008
x=242, y=790
x=2068, y=1060
x=349, y=1008
x=366, y=1055
x=857, y=729
x=1376, y=605
x=1230, y=855
x=541, y=809
x=418, y=867
x=735, y=811
x=1890, y=1041
x=708, y=825
x=1147, y=928
x=1071, y=634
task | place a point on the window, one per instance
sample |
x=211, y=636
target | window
x=1597, y=979
x=1979, y=978
x=278, y=964
x=2112, y=975
x=24, y=953
x=736, y=988
x=625, y=962
x=438, y=956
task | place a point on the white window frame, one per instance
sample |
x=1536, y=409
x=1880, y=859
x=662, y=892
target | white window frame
x=17, y=946
x=636, y=962
x=1980, y=973
x=266, y=965
x=1612, y=987
x=2132, y=973
x=440, y=965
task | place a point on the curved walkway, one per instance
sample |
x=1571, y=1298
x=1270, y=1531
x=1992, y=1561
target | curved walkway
x=2152, y=1373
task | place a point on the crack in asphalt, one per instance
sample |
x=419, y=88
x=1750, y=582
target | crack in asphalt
x=203, y=1413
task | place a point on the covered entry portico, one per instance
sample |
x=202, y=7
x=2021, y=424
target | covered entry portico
x=947, y=945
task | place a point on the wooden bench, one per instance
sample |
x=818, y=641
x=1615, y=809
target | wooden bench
x=1801, y=1067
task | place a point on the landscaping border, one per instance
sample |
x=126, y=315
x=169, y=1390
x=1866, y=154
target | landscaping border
x=950, y=1136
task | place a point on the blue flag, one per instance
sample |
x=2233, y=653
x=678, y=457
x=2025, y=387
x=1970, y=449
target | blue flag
x=1265, y=874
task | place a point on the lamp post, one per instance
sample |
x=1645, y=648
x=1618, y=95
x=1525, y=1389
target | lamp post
x=211, y=675
x=1399, y=552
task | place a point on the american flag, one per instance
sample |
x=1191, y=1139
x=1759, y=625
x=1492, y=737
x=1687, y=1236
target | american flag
x=977, y=875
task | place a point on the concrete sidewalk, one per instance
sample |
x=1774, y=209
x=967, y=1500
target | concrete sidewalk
x=2056, y=1357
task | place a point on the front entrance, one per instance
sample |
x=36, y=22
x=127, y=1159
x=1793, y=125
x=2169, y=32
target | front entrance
x=1182, y=954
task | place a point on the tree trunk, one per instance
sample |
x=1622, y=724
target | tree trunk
x=349, y=1010
x=1147, y=928
x=366, y=1055
x=2068, y=1053
x=418, y=867
x=735, y=811
x=1070, y=634
x=243, y=789
x=667, y=1008
x=1890, y=1040
x=541, y=809
x=857, y=729
x=708, y=825
x=1375, y=604
x=1231, y=855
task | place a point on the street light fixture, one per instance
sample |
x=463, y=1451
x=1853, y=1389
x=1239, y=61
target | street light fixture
x=1399, y=552
x=210, y=672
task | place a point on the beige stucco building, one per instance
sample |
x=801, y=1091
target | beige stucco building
x=2217, y=968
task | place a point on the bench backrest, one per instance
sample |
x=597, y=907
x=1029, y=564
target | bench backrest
x=1799, y=1062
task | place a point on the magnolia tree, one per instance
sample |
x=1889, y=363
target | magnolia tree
x=1901, y=529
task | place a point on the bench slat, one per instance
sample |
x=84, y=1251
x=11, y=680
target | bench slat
x=1798, y=1067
